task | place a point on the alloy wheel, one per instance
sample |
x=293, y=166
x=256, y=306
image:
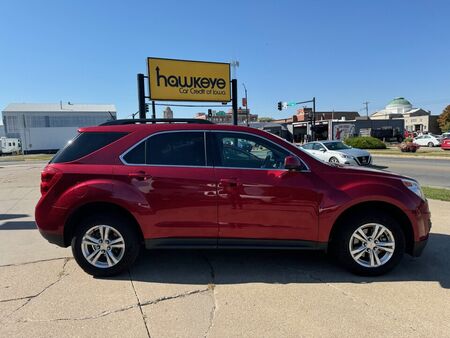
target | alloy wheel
x=334, y=160
x=103, y=246
x=372, y=245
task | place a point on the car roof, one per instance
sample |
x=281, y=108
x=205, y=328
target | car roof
x=330, y=141
x=163, y=127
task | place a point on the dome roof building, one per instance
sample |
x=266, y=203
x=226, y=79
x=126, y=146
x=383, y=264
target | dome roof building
x=399, y=105
x=416, y=119
x=394, y=109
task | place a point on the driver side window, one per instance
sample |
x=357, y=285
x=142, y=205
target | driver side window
x=317, y=146
x=246, y=151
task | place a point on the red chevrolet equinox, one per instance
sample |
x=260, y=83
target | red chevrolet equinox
x=186, y=184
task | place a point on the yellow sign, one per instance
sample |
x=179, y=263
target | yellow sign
x=179, y=80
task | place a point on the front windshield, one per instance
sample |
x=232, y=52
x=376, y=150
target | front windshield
x=336, y=146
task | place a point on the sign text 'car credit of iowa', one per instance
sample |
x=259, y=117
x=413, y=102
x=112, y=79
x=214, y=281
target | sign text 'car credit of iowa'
x=179, y=80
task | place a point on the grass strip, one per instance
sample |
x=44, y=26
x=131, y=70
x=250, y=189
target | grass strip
x=437, y=193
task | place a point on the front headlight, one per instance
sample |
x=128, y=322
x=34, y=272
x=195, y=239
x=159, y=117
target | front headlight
x=344, y=156
x=414, y=187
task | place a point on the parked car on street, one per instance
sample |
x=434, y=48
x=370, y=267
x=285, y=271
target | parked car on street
x=132, y=183
x=445, y=144
x=338, y=152
x=427, y=140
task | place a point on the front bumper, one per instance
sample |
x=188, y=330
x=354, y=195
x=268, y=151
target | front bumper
x=419, y=247
x=355, y=161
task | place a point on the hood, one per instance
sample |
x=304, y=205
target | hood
x=371, y=171
x=354, y=152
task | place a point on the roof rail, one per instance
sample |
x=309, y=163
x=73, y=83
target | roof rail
x=145, y=121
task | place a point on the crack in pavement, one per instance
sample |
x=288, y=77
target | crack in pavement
x=125, y=308
x=34, y=262
x=61, y=275
x=212, y=287
x=139, y=304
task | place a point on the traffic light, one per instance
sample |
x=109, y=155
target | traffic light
x=280, y=105
x=209, y=112
x=146, y=107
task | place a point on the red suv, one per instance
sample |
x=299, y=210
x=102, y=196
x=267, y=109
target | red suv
x=128, y=183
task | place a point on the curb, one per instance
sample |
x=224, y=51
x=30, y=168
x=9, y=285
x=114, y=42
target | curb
x=416, y=157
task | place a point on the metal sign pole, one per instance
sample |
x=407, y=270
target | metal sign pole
x=153, y=110
x=141, y=95
x=234, y=101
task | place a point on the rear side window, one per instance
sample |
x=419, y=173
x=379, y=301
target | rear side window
x=176, y=148
x=84, y=144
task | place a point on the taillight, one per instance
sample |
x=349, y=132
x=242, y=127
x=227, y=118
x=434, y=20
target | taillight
x=49, y=176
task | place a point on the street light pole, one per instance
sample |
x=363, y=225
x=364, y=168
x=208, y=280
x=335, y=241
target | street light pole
x=246, y=103
x=313, y=134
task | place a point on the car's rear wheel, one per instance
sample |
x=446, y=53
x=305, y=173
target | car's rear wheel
x=370, y=244
x=333, y=160
x=430, y=144
x=105, y=245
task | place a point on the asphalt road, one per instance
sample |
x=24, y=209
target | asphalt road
x=429, y=172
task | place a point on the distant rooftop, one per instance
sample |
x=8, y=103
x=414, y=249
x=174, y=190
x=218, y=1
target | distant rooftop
x=59, y=107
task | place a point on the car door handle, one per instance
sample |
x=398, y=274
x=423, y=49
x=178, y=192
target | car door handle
x=229, y=182
x=140, y=175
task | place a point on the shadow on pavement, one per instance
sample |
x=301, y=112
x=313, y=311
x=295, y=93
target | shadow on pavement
x=12, y=216
x=25, y=225
x=281, y=267
x=381, y=167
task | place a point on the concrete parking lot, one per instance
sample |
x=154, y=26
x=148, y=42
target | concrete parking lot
x=209, y=293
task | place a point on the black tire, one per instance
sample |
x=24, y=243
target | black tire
x=333, y=160
x=121, y=225
x=341, y=242
x=430, y=144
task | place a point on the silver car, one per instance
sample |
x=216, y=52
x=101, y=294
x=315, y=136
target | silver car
x=337, y=152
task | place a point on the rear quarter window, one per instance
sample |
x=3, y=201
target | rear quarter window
x=84, y=144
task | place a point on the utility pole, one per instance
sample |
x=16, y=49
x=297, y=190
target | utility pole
x=246, y=103
x=367, y=108
x=313, y=133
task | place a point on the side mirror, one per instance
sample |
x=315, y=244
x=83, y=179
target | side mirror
x=292, y=163
x=323, y=150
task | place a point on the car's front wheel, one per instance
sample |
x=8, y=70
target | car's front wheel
x=105, y=245
x=430, y=144
x=333, y=160
x=370, y=244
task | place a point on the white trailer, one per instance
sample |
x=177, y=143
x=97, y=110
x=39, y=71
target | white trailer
x=10, y=145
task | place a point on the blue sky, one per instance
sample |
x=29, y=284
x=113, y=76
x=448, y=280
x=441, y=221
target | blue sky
x=342, y=52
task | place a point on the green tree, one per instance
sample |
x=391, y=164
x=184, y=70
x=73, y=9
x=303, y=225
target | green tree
x=444, y=119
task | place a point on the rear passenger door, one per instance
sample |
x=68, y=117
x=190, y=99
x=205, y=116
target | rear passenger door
x=172, y=171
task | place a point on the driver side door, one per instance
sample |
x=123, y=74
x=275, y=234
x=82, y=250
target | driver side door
x=259, y=200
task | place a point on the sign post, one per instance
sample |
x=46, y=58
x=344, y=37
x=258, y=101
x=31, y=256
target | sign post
x=235, y=101
x=141, y=95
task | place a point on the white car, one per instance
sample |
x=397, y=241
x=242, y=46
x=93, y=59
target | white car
x=427, y=140
x=337, y=152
